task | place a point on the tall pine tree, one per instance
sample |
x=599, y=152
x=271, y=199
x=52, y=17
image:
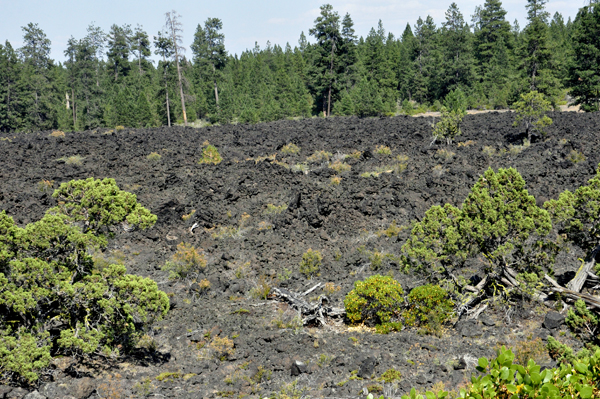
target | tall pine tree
x=584, y=76
x=210, y=55
x=328, y=35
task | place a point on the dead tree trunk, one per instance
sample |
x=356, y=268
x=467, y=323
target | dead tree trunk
x=311, y=313
x=582, y=274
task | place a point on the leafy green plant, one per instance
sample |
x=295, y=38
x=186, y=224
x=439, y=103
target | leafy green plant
x=501, y=378
x=310, y=263
x=54, y=300
x=531, y=111
x=210, y=154
x=429, y=306
x=374, y=301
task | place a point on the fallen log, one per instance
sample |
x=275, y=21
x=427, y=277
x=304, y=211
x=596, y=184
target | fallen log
x=311, y=313
x=576, y=284
x=589, y=300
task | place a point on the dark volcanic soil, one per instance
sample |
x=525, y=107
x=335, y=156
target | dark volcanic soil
x=245, y=245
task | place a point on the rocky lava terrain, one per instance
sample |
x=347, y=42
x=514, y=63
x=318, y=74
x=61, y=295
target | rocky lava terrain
x=224, y=210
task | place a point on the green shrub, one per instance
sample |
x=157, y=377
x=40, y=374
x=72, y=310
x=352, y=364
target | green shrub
x=210, y=154
x=560, y=352
x=408, y=107
x=388, y=327
x=449, y=125
x=383, y=150
x=576, y=156
x=73, y=160
x=47, y=274
x=498, y=219
x=319, y=156
x=153, y=157
x=428, y=307
x=456, y=101
x=531, y=111
x=185, y=262
x=310, y=263
x=390, y=376
x=290, y=149
x=374, y=301
x=275, y=209
x=340, y=166
x=583, y=321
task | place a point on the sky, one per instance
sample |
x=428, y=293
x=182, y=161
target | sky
x=244, y=22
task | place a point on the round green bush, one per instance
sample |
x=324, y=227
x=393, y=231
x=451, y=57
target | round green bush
x=427, y=305
x=374, y=301
x=55, y=300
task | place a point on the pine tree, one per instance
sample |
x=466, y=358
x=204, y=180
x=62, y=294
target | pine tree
x=348, y=55
x=367, y=100
x=37, y=99
x=458, y=63
x=143, y=113
x=492, y=31
x=140, y=46
x=327, y=33
x=537, y=56
x=378, y=66
x=10, y=92
x=584, y=75
x=425, y=59
x=96, y=40
x=119, y=38
x=560, y=43
x=210, y=55
x=405, y=66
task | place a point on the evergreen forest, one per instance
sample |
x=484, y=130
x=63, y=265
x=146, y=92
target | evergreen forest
x=110, y=78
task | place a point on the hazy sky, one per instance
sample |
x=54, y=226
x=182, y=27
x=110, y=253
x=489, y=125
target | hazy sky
x=244, y=22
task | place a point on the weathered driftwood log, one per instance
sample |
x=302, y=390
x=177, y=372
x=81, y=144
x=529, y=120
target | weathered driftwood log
x=583, y=273
x=590, y=300
x=312, y=313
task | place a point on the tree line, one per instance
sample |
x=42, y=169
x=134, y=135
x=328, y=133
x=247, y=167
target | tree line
x=109, y=79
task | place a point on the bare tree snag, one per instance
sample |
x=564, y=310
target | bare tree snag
x=311, y=313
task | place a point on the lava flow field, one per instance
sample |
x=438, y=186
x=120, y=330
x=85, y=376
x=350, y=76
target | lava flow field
x=337, y=189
